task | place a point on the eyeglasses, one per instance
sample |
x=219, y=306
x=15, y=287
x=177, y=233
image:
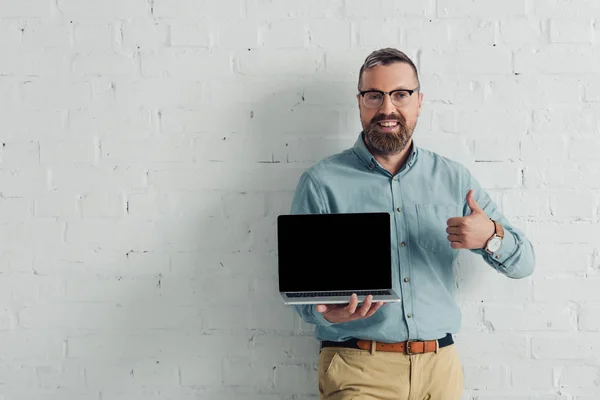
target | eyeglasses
x=374, y=98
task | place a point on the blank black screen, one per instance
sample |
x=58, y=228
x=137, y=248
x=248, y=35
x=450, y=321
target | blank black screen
x=323, y=252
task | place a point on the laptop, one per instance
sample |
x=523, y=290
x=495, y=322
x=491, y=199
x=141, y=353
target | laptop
x=325, y=258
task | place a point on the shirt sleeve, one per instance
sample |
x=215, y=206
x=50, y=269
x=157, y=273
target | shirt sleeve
x=516, y=257
x=308, y=199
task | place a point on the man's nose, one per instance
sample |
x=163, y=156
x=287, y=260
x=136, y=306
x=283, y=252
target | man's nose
x=387, y=107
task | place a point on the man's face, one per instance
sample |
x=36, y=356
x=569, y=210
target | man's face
x=389, y=128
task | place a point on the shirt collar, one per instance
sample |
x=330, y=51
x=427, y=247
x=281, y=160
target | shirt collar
x=363, y=153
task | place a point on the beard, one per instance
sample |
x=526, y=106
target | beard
x=388, y=142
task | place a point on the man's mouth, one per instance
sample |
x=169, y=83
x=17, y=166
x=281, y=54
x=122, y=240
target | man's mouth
x=388, y=123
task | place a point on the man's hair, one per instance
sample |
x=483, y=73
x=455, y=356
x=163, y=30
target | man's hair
x=386, y=56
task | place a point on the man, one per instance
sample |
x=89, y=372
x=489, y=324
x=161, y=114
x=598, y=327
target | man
x=436, y=208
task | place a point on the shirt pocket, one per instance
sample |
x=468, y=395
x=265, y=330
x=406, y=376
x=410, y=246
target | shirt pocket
x=432, y=223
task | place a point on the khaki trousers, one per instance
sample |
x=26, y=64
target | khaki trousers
x=346, y=373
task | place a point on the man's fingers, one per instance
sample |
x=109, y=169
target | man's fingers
x=454, y=238
x=351, y=308
x=457, y=245
x=456, y=221
x=322, y=308
x=453, y=230
x=376, y=306
x=364, y=309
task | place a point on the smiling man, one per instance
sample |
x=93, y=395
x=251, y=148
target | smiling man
x=403, y=350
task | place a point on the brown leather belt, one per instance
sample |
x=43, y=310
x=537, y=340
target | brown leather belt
x=407, y=347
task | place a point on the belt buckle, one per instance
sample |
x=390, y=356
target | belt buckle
x=407, y=347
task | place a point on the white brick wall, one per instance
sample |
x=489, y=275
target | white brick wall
x=147, y=147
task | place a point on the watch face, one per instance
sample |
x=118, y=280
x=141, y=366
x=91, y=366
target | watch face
x=495, y=244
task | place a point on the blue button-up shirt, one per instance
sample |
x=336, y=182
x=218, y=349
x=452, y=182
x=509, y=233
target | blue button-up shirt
x=421, y=197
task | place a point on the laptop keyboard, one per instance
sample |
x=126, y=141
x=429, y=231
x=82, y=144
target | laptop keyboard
x=326, y=294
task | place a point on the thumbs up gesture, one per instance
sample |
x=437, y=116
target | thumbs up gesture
x=472, y=231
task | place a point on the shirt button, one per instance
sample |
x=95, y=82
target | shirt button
x=402, y=244
x=409, y=315
x=399, y=209
x=406, y=279
x=498, y=256
x=395, y=178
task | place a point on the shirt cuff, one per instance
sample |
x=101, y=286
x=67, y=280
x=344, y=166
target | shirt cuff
x=508, y=248
x=320, y=320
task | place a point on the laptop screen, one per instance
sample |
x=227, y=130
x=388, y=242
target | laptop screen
x=323, y=252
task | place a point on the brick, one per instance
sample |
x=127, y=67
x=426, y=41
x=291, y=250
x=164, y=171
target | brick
x=202, y=372
x=105, y=64
x=571, y=31
x=110, y=231
x=61, y=375
x=83, y=178
x=565, y=289
x=297, y=378
x=564, y=348
x=191, y=35
x=102, y=205
x=584, y=148
x=556, y=60
x=153, y=374
x=370, y=34
x=480, y=9
x=24, y=346
x=159, y=150
x=107, y=375
x=97, y=35
x=43, y=94
x=330, y=34
x=44, y=34
x=558, y=259
x=500, y=347
x=67, y=152
x=24, y=9
x=537, y=147
x=534, y=376
x=531, y=318
x=497, y=175
x=243, y=372
x=10, y=33
x=285, y=34
x=588, y=319
x=280, y=63
x=493, y=287
x=521, y=31
x=384, y=8
x=14, y=210
x=185, y=63
x=573, y=204
x=109, y=9
x=526, y=203
x=494, y=149
x=56, y=205
x=273, y=10
x=17, y=376
x=485, y=377
x=560, y=9
x=20, y=154
x=195, y=10
x=238, y=34
x=144, y=35
x=574, y=376
x=480, y=61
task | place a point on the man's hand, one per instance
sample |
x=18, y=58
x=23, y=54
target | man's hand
x=472, y=231
x=337, y=313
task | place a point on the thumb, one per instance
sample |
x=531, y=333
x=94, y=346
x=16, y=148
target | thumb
x=472, y=203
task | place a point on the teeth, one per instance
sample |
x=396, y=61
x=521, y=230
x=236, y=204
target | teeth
x=388, y=124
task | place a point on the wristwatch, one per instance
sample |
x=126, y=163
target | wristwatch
x=495, y=242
